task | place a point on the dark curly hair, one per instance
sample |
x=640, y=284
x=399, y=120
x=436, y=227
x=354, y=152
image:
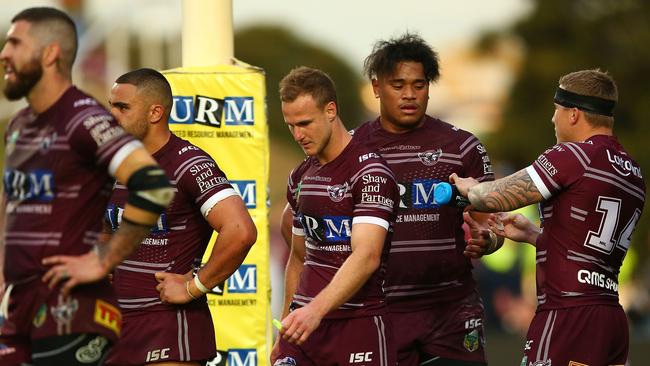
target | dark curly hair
x=408, y=47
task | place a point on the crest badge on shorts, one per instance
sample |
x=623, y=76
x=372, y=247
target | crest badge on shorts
x=471, y=341
x=64, y=312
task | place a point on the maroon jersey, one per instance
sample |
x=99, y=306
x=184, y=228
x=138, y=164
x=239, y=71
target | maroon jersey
x=594, y=193
x=180, y=237
x=56, y=180
x=426, y=265
x=327, y=200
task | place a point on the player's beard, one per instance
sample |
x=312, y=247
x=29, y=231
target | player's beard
x=24, y=80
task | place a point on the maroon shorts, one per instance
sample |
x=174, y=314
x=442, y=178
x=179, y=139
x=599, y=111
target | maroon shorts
x=450, y=330
x=357, y=341
x=584, y=335
x=37, y=312
x=163, y=336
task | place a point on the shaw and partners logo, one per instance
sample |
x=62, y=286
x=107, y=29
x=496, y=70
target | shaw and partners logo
x=247, y=190
x=243, y=280
x=36, y=184
x=233, y=111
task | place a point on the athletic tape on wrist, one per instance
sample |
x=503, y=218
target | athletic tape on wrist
x=200, y=286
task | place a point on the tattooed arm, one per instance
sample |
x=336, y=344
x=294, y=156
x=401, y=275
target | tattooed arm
x=135, y=226
x=505, y=194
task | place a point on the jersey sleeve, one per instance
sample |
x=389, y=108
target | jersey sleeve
x=375, y=193
x=293, y=190
x=557, y=168
x=95, y=135
x=476, y=162
x=199, y=177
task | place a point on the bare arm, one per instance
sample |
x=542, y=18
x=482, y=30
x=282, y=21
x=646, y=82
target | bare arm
x=237, y=234
x=96, y=264
x=293, y=270
x=367, y=243
x=506, y=194
x=285, y=224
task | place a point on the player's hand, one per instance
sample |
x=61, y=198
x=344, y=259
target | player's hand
x=480, y=242
x=515, y=227
x=172, y=288
x=71, y=271
x=463, y=184
x=300, y=324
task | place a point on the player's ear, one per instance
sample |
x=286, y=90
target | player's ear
x=331, y=110
x=575, y=115
x=156, y=112
x=375, y=87
x=51, y=54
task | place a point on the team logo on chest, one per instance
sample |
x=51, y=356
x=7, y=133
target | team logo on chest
x=337, y=192
x=47, y=142
x=430, y=157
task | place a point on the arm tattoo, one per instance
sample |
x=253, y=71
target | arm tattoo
x=122, y=243
x=505, y=194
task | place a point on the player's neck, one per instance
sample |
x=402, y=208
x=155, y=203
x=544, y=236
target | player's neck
x=588, y=133
x=338, y=141
x=156, y=139
x=47, y=91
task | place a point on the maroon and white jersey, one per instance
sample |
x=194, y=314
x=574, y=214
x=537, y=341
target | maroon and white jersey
x=56, y=180
x=177, y=242
x=327, y=200
x=594, y=193
x=426, y=265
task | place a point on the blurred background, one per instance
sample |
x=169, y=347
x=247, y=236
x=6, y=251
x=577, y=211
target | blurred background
x=500, y=62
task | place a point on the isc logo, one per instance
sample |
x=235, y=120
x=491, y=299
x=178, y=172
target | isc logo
x=234, y=111
x=244, y=280
x=247, y=191
x=359, y=357
x=36, y=184
x=158, y=354
x=420, y=194
x=242, y=357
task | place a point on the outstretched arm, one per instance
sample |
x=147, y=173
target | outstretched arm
x=506, y=194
